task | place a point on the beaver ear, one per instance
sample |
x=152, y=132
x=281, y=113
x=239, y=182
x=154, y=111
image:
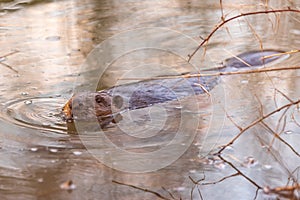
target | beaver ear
x=117, y=101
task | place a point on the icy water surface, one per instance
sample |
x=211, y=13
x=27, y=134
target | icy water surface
x=42, y=157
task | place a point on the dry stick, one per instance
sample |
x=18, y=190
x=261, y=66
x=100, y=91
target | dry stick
x=142, y=189
x=236, y=17
x=256, y=122
x=286, y=191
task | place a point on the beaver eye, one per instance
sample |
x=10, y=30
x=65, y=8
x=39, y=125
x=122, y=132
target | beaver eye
x=99, y=98
x=102, y=100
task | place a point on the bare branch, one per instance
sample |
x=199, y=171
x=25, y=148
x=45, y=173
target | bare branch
x=196, y=184
x=205, y=41
x=256, y=35
x=222, y=179
x=256, y=122
x=280, y=139
x=171, y=195
x=286, y=191
x=235, y=124
x=240, y=173
x=142, y=189
x=252, y=71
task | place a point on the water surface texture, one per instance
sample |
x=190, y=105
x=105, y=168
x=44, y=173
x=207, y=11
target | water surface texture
x=49, y=42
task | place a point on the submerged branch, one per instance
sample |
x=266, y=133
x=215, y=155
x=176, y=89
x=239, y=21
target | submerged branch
x=2, y=58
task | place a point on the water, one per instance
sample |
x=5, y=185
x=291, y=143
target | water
x=51, y=41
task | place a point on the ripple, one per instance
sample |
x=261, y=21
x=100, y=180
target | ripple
x=42, y=113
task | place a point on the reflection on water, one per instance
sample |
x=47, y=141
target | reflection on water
x=54, y=37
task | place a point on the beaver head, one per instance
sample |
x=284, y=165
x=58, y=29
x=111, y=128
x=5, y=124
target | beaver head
x=88, y=106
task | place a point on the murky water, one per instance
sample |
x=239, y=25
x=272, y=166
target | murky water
x=50, y=41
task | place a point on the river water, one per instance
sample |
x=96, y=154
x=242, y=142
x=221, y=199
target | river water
x=54, y=46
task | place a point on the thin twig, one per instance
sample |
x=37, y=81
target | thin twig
x=2, y=58
x=252, y=71
x=236, y=17
x=256, y=193
x=240, y=173
x=256, y=122
x=171, y=195
x=9, y=67
x=283, y=115
x=281, y=54
x=230, y=118
x=203, y=88
x=255, y=34
x=284, y=95
x=222, y=11
x=9, y=54
x=294, y=119
x=196, y=184
x=275, y=154
x=276, y=135
x=142, y=189
x=222, y=179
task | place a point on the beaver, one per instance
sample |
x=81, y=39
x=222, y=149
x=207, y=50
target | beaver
x=107, y=105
